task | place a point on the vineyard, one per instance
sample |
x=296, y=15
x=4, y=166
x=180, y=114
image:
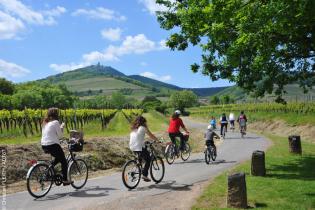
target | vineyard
x=302, y=108
x=29, y=121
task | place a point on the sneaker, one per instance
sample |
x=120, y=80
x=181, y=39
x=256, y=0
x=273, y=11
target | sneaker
x=67, y=182
x=146, y=179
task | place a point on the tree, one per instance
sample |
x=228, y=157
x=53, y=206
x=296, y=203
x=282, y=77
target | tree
x=215, y=100
x=183, y=99
x=226, y=99
x=6, y=87
x=118, y=100
x=150, y=102
x=261, y=45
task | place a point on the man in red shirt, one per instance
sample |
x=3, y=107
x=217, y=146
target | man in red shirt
x=174, y=129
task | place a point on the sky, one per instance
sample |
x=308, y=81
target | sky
x=43, y=38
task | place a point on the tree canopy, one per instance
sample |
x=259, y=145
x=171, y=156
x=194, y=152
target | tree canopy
x=260, y=45
x=183, y=99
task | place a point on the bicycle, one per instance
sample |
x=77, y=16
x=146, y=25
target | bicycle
x=42, y=174
x=170, y=151
x=242, y=130
x=132, y=169
x=210, y=152
x=224, y=131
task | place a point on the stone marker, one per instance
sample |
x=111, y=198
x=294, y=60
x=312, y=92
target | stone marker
x=237, y=196
x=295, y=144
x=258, y=163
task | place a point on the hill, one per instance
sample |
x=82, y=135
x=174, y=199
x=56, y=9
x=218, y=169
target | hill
x=154, y=82
x=294, y=93
x=104, y=80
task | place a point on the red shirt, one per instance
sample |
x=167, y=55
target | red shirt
x=175, y=124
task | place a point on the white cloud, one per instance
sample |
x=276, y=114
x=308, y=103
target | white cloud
x=112, y=34
x=143, y=63
x=138, y=44
x=12, y=70
x=67, y=67
x=9, y=26
x=30, y=16
x=151, y=6
x=14, y=16
x=156, y=77
x=100, y=13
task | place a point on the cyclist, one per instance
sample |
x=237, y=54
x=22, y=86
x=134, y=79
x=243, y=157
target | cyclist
x=52, y=131
x=138, y=130
x=224, y=122
x=242, y=120
x=209, y=135
x=232, y=120
x=174, y=130
x=213, y=122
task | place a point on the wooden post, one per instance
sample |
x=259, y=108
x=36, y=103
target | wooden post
x=295, y=144
x=258, y=163
x=237, y=196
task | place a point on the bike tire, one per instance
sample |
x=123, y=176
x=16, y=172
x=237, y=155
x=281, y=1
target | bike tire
x=170, y=154
x=212, y=154
x=75, y=167
x=207, y=156
x=157, y=164
x=126, y=173
x=187, y=152
x=30, y=175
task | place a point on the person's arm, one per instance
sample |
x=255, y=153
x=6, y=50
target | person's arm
x=59, y=129
x=151, y=135
x=183, y=126
x=215, y=134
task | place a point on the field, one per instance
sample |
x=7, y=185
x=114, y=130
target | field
x=292, y=113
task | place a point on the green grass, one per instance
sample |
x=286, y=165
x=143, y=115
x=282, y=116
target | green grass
x=118, y=126
x=289, y=184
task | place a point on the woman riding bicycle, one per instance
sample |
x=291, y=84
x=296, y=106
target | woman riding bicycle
x=51, y=133
x=138, y=130
x=174, y=129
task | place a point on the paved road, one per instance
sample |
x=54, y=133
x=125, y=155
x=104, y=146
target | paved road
x=180, y=179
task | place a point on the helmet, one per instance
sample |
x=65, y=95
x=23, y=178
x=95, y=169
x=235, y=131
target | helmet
x=210, y=127
x=178, y=112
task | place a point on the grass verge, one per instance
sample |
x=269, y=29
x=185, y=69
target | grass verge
x=289, y=184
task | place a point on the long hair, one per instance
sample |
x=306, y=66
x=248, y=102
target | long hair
x=52, y=114
x=139, y=121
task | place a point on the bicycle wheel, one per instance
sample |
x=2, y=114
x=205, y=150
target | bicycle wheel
x=207, y=156
x=131, y=174
x=185, y=154
x=170, y=154
x=39, y=180
x=213, y=153
x=78, y=173
x=157, y=169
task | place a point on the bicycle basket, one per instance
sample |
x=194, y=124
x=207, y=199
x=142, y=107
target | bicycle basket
x=186, y=137
x=76, y=147
x=76, y=141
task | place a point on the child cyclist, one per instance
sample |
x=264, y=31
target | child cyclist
x=209, y=135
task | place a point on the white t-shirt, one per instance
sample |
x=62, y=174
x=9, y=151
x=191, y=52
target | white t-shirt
x=51, y=133
x=136, y=142
x=231, y=117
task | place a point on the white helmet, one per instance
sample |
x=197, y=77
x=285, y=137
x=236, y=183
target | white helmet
x=210, y=127
x=178, y=112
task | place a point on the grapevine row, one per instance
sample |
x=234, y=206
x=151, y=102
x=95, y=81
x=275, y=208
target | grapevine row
x=30, y=120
